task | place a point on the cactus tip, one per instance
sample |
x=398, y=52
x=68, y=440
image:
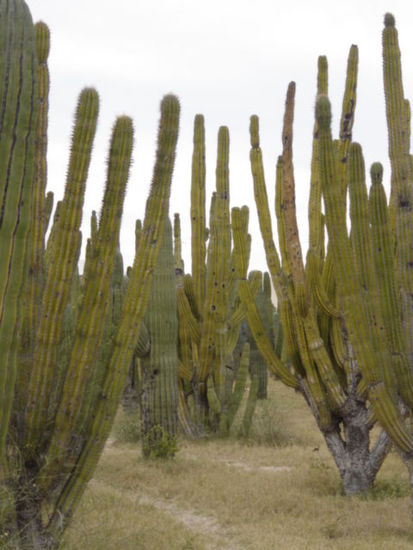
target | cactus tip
x=323, y=112
x=376, y=172
x=170, y=101
x=254, y=131
x=389, y=20
x=42, y=41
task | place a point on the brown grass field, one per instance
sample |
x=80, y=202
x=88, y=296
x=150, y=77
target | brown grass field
x=277, y=490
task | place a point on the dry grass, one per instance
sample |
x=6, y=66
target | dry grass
x=277, y=490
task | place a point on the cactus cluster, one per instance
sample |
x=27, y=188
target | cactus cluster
x=337, y=306
x=209, y=309
x=59, y=386
x=342, y=334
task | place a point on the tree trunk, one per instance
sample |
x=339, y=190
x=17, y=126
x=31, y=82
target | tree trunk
x=357, y=464
x=32, y=534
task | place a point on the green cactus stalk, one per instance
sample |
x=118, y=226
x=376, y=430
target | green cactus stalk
x=198, y=218
x=19, y=116
x=159, y=393
x=73, y=385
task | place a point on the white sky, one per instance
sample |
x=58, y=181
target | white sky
x=226, y=59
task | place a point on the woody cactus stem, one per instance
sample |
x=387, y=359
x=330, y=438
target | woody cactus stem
x=71, y=389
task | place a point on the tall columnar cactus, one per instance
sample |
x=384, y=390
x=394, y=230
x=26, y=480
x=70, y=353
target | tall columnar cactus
x=320, y=357
x=377, y=303
x=209, y=311
x=159, y=363
x=60, y=416
x=19, y=116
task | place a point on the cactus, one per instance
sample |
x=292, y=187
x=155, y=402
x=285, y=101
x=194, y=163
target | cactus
x=67, y=390
x=209, y=312
x=267, y=311
x=320, y=357
x=377, y=304
x=159, y=366
x=19, y=120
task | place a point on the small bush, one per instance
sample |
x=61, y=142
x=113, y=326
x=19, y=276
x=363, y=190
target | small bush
x=158, y=443
x=389, y=489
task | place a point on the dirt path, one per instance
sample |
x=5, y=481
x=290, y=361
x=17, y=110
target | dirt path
x=217, y=536
x=252, y=468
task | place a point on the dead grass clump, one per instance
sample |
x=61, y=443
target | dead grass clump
x=127, y=427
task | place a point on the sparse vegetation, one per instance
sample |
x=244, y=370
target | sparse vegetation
x=226, y=494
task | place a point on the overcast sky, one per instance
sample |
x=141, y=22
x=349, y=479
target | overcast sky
x=226, y=59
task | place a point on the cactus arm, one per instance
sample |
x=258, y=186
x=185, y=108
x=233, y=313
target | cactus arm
x=38, y=221
x=223, y=244
x=264, y=216
x=314, y=204
x=250, y=406
x=187, y=317
x=387, y=288
x=185, y=308
x=48, y=207
x=61, y=270
x=133, y=309
x=273, y=262
x=349, y=102
x=292, y=241
x=401, y=171
x=239, y=387
x=311, y=346
x=179, y=263
x=361, y=242
x=315, y=217
x=215, y=328
x=94, y=308
x=18, y=119
x=261, y=338
x=353, y=307
x=198, y=240
x=207, y=344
